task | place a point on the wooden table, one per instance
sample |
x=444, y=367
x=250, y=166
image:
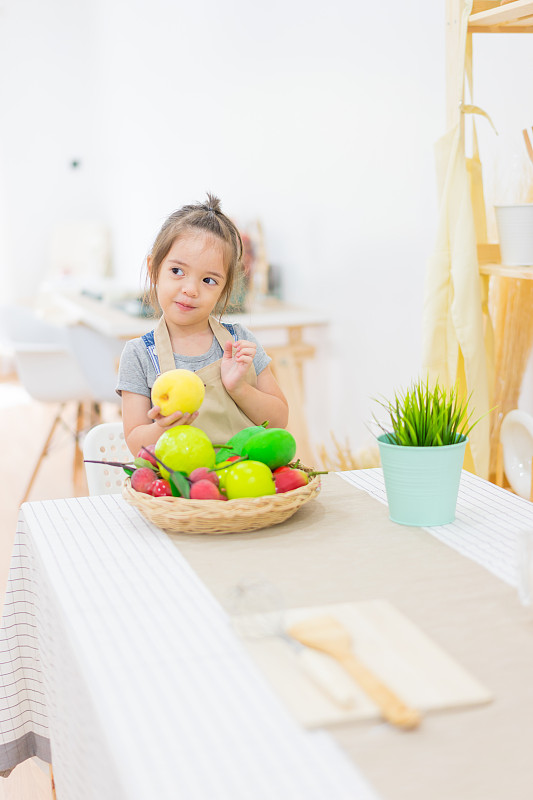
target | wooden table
x=146, y=689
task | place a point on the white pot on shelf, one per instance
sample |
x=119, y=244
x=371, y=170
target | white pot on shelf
x=515, y=230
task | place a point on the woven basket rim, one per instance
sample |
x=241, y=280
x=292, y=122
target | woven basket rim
x=181, y=515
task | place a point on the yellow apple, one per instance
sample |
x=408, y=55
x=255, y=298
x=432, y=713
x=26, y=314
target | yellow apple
x=178, y=390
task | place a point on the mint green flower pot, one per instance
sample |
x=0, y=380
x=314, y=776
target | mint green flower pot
x=422, y=483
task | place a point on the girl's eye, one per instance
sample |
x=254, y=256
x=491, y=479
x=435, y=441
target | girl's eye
x=176, y=271
x=210, y=281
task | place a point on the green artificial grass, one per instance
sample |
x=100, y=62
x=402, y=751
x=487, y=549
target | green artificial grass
x=424, y=417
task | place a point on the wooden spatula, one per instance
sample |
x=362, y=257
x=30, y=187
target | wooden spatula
x=330, y=636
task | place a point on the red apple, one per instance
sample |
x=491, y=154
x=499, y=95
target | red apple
x=291, y=479
x=279, y=470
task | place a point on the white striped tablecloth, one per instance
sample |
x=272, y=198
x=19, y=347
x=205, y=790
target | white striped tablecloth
x=488, y=521
x=115, y=653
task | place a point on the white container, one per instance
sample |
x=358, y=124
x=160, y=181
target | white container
x=515, y=229
x=516, y=436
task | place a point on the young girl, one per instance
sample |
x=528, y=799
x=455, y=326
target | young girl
x=191, y=269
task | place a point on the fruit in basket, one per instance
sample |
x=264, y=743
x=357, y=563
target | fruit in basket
x=222, y=470
x=142, y=479
x=204, y=490
x=234, y=445
x=178, y=390
x=148, y=456
x=248, y=479
x=202, y=473
x=272, y=446
x=288, y=479
x=160, y=488
x=184, y=449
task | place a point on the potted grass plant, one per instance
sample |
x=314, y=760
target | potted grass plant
x=422, y=452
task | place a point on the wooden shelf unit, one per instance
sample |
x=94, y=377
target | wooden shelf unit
x=502, y=271
x=511, y=288
x=491, y=17
x=497, y=16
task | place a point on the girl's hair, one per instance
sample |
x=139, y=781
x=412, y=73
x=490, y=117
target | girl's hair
x=206, y=217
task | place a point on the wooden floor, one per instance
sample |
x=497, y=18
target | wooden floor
x=24, y=428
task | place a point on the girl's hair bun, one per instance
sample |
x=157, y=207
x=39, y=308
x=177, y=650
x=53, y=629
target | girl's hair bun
x=213, y=204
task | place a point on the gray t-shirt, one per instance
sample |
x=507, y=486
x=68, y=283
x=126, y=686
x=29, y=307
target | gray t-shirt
x=137, y=374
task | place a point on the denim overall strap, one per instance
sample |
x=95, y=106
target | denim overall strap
x=149, y=342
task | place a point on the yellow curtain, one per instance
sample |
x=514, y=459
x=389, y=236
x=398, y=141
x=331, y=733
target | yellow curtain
x=456, y=325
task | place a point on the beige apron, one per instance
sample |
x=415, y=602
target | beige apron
x=457, y=342
x=219, y=415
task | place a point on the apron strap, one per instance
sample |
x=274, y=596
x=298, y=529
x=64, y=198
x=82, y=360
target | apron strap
x=163, y=347
x=222, y=333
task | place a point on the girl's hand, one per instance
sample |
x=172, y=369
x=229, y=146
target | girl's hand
x=177, y=418
x=235, y=362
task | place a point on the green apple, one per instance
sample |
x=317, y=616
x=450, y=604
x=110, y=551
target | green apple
x=248, y=479
x=184, y=449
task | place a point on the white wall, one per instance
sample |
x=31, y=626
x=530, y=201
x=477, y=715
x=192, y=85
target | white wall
x=48, y=95
x=320, y=119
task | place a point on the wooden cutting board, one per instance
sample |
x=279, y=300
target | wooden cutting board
x=402, y=655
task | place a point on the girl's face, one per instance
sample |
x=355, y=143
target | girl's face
x=191, y=279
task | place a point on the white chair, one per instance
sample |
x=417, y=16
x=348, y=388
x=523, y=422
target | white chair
x=105, y=442
x=98, y=357
x=48, y=370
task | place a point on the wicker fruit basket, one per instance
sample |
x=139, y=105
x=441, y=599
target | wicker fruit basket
x=177, y=515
